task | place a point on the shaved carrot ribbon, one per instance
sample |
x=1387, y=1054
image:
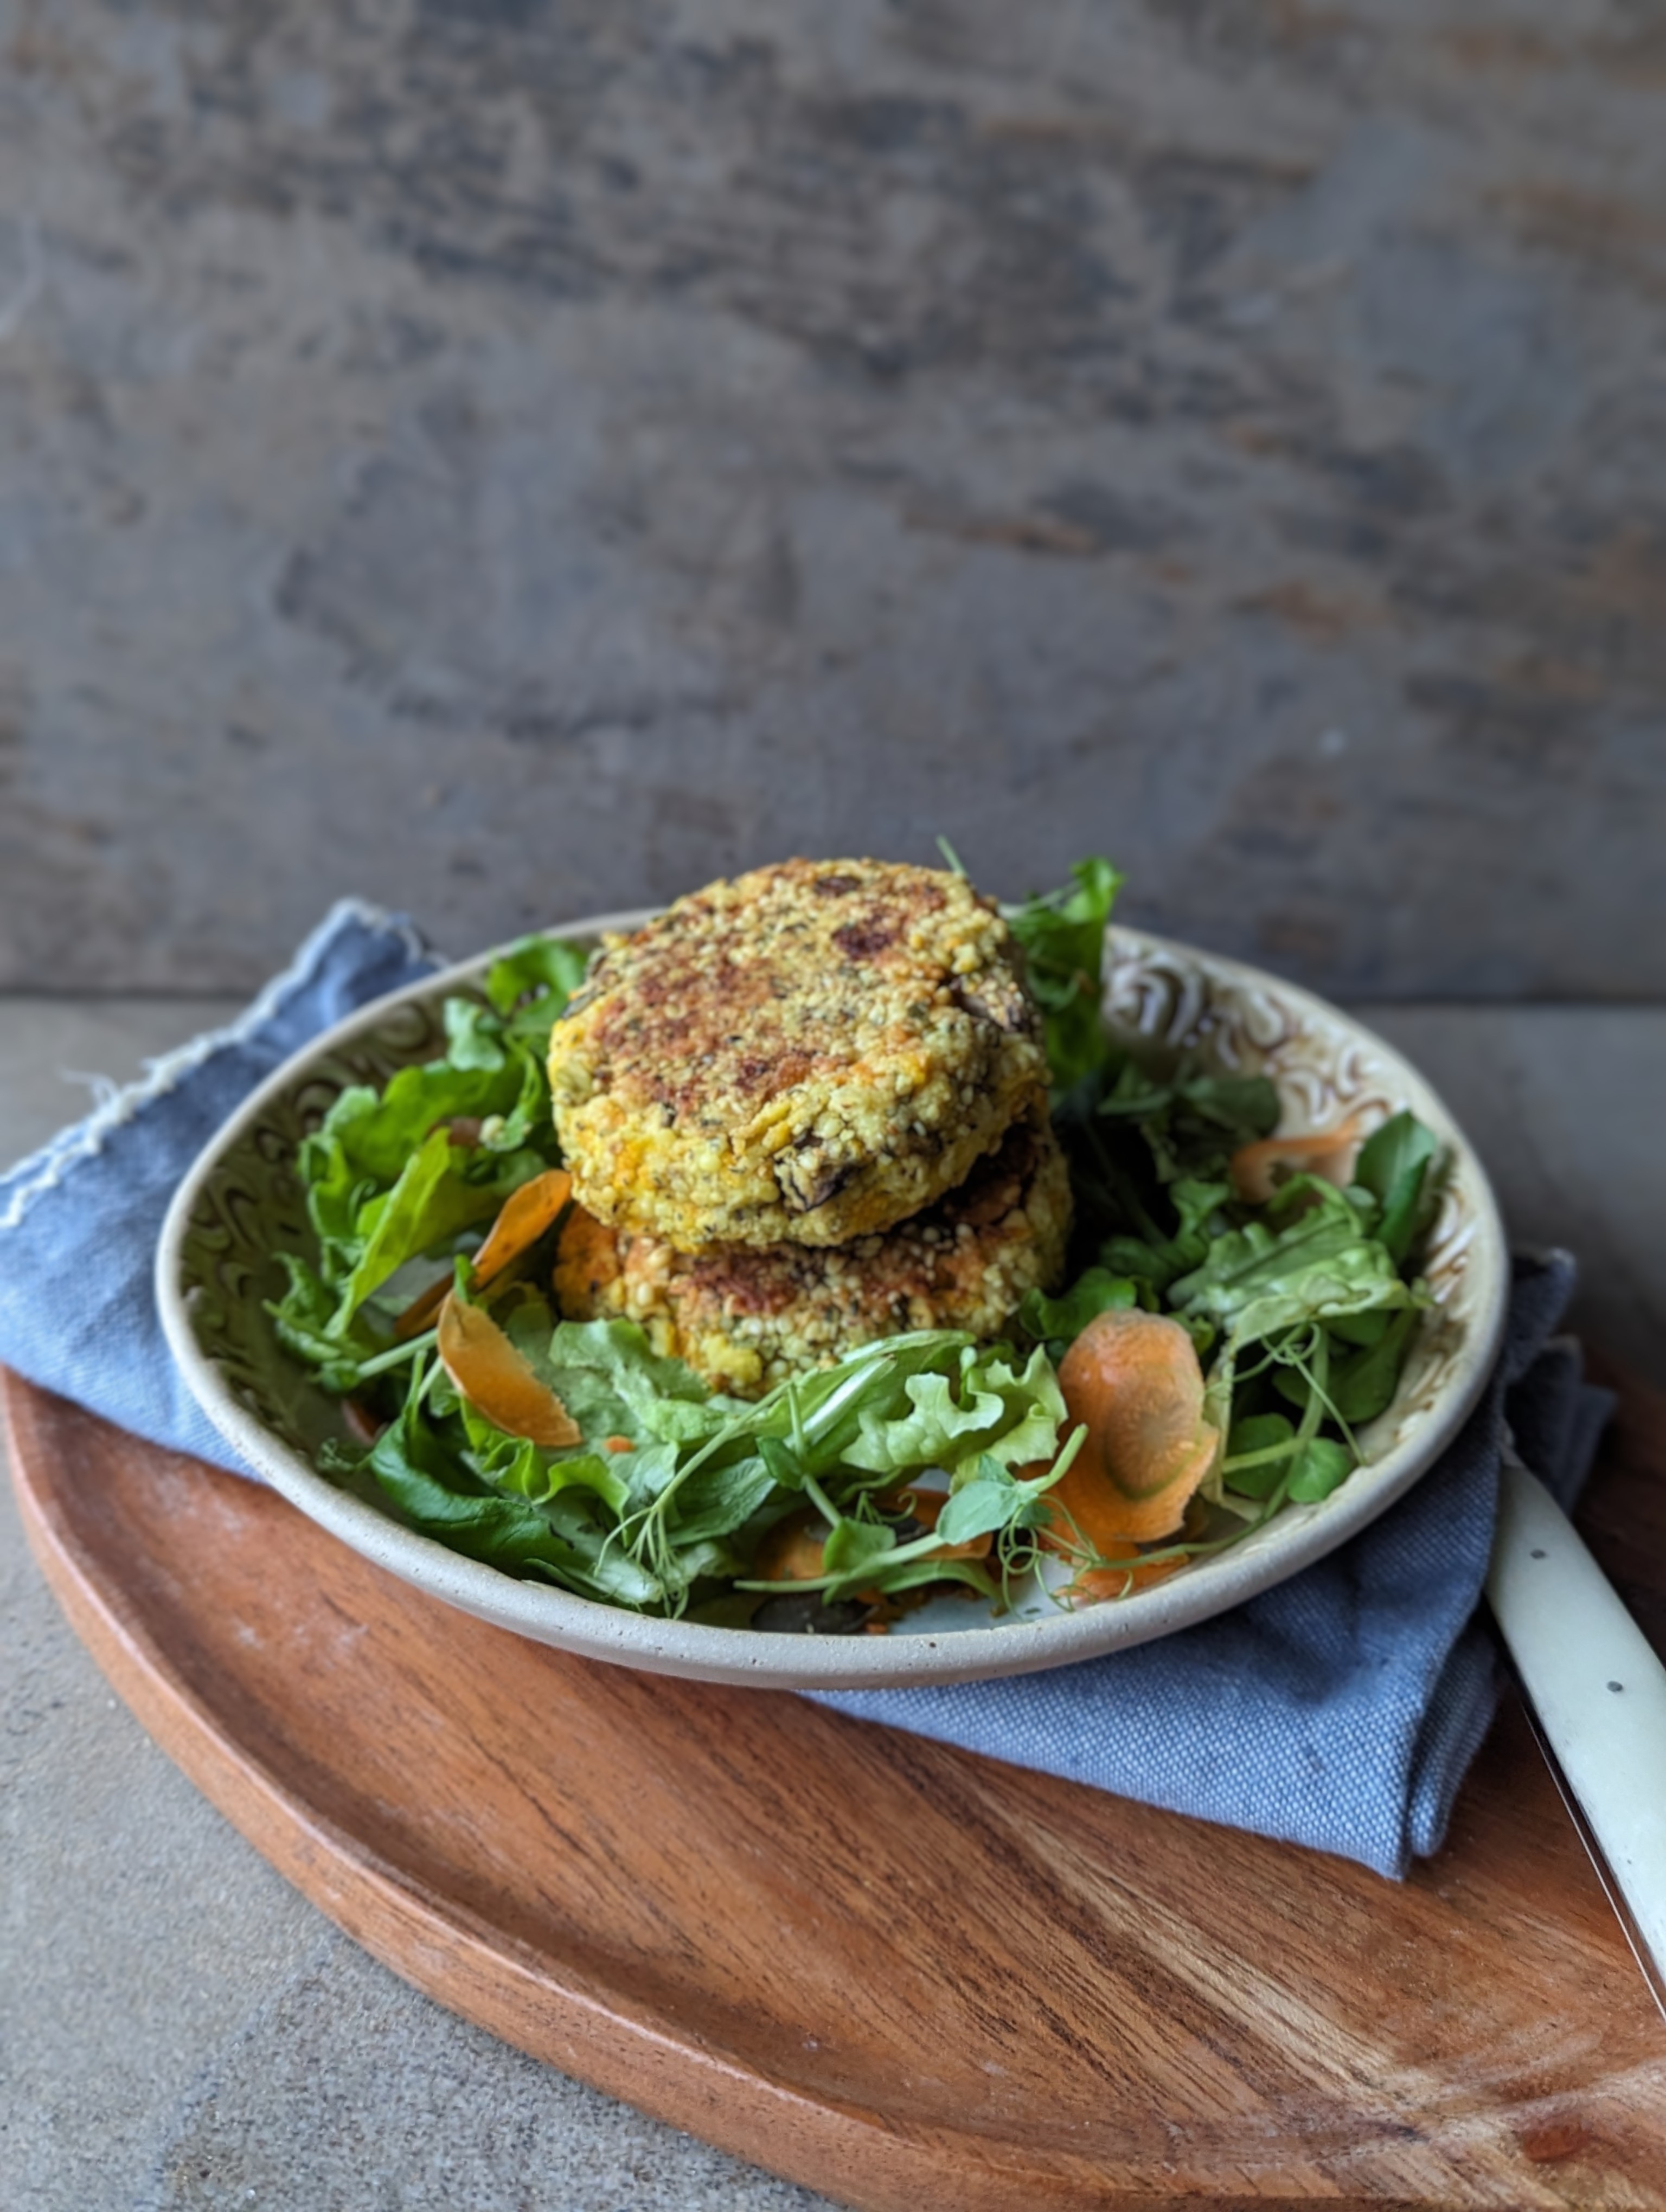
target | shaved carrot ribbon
x=527, y=1212
x=1257, y=1170
x=497, y=1382
x=522, y=1220
x=1134, y=1380
x=588, y=1259
x=791, y=1552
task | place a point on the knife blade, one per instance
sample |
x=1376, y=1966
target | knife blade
x=1595, y=1695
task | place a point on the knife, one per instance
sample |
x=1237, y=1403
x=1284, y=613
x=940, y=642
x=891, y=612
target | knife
x=1595, y=1697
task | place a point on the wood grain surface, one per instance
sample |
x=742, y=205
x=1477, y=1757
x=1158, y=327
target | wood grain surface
x=514, y=460
x=903, y=1975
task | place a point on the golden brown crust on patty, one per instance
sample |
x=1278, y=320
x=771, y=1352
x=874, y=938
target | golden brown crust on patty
x=743, y=1318
x=807, y=1054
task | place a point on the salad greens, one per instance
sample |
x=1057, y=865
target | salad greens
x=1063, y=937
x=920, y=1460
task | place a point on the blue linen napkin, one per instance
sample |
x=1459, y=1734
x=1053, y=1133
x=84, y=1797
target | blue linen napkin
x=1340, y=1709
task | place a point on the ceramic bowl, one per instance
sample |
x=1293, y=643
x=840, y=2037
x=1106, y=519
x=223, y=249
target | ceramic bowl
x=242, y=1203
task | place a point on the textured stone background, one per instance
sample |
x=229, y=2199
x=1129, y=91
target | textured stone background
x=510, y=459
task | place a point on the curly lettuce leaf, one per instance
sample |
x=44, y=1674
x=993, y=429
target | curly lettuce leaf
x=983, y=1406
x=1258, y=1282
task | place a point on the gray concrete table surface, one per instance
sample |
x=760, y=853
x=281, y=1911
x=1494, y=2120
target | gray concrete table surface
x=179, y=2029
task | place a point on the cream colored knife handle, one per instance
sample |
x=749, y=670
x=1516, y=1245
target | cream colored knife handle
x=1599, y=1695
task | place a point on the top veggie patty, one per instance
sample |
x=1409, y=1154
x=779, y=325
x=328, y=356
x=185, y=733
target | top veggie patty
x=807, y=1054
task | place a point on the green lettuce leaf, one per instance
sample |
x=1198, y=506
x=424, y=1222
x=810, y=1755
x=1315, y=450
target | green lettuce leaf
x=302, y=1320
x=853, y=1548
x=859, y=1556
x=528, y=1121
x=1191, y=1123
x=1258, y=1282
x=1321, y=1464
x=511, y=1533
x=614, y=1384
x=985, y=1406
x=1157, y=1262
x=995, y=1498
x=532, y=983
x=378, y=1135
x=1057, y=1322
x=474, y=1037
x=432, y=1201
x=810, y=1427
x=1394, y=1166
x=1311, y=1465
x=336, y=1190
x=1361, y=1383
x=722, y=1498
x=1063, y=937
x=516, y=1466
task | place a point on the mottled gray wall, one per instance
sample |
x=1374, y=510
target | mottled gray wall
x=510, y=459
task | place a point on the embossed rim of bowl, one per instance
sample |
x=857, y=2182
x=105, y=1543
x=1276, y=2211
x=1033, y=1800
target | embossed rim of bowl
x=1293, y=1540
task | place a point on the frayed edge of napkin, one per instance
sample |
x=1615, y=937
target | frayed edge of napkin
x=44, y=1171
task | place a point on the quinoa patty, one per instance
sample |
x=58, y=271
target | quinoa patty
x=744, y=1318
x=807, y=1054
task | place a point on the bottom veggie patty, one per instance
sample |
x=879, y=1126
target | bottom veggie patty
x=743, y=1318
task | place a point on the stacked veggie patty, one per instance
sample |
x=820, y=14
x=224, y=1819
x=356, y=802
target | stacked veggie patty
x=804, y=1110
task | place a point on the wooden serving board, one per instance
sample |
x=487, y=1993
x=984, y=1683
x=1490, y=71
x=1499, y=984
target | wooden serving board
x=910, y=1978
